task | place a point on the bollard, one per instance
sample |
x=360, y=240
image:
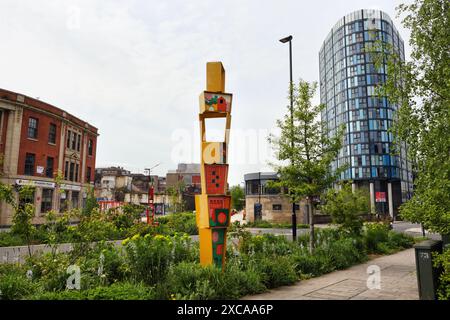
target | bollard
x=427, y=274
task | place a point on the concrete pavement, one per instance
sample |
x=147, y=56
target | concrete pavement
x=397, y=277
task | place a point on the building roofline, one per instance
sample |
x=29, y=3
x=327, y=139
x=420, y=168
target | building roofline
x=26, y=101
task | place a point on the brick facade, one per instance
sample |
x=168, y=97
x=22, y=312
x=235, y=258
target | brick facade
x=54, y=141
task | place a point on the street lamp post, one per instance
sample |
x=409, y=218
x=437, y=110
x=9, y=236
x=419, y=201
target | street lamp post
x=291, y=91
x=150, y=193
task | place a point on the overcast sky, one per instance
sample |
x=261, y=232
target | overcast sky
x=135, y=69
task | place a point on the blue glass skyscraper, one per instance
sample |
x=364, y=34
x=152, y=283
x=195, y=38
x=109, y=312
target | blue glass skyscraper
x=348, y=80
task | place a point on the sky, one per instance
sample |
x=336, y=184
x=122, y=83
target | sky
x=135, y=69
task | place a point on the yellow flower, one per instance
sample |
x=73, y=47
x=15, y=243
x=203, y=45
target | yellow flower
x=124, y=242
x=135, y=237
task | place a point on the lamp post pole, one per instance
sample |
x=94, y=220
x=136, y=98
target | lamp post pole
x=291, y=91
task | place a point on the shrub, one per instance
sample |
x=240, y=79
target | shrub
x=8, y=239
x=346, y=252
x=277, y=270
x=400, y=240
x=116, y=291
x=150, y=257
x=443, y=261
x=346, y=207
x=183, y=222
x=268, y=244
x=375, y=234
x=308, y=265
x=379, y=239
x=14, y=283
x=191, y=281
x=50, y=270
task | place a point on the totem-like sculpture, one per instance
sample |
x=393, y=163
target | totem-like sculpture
x=213, y=205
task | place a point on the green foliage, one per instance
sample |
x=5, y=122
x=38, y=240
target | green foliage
x=379, y=239
x=306, y=145
x=346, y=207
x=423, y=116
x=183, y=222
x=10, y=239
x=116, y=291
x=237, y=197
x=305, y=142
x=50, y=270
x=191, y=281
x=91, y=203
x=149, y=258
x=277, y=271
x=271, y=225
x=14, y=283
x=23, y=216
x=443, y=261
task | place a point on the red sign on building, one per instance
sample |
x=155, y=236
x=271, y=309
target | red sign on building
x=380, y=196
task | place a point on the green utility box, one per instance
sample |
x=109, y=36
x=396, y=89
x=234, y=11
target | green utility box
x=427, y=274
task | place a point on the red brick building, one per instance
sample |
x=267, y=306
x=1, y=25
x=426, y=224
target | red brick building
x=38, y=140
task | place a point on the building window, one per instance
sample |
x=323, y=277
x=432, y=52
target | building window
x=90, y=147
x=88, y=174
x=72, y=171
x=75, y=197
x=77, y=168
x=52, y=133
x=69, y=135
x=33, y=128
x=74, y=140
x=66, y=170
x=26, y=199
x=78, y=142
x=276, y=207
x=29, y=164
x=47, y=197
x=49, y=168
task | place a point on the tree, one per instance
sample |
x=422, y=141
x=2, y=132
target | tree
x=306, y=145
x=237, y=197
x=91, y=202
x=346, y=207
x=23, y=215
x=421, y=90
x=175, y=195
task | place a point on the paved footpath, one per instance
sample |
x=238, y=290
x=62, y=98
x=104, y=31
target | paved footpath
x=398, y=282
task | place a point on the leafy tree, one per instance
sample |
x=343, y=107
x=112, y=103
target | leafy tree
x=237, y=197
x=346, y=207
x=306, y=145
x=91, y=202
x=23, y=215
x=421, y=90
x=175, y=195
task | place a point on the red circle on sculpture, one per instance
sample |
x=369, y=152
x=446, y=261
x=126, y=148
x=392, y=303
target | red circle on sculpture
x=215, y=236
x=222, y=218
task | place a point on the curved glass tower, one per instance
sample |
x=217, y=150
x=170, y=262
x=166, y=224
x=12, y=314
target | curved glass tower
x=348, y=79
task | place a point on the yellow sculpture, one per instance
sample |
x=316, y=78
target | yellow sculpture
x=213, y=204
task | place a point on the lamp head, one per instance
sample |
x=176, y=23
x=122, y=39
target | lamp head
x=287, y=39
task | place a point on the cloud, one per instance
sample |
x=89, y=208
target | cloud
x=135, y=69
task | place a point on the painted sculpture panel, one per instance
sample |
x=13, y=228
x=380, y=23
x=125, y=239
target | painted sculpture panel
x=213, y=206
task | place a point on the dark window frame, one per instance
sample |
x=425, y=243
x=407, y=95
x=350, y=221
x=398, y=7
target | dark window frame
x=33, y=125
x=52, y=133
x=49, y=168
x=29, y=166
x=90, y=147
x=46, y=206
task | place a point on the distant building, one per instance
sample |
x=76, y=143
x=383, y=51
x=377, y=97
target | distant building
x=188, y=176
x=275, y=206
x=38, y=140
x=348, y=82
x=120, y=185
